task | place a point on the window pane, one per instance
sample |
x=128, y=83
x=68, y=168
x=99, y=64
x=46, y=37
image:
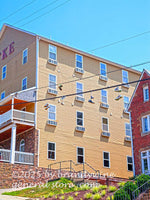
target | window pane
x=78, y=64
x=145, y=124
x=79, y=86
x=105, y=121
x=106, y=155
x=79, y=58
x=80, y=151
x=51, y=154
x=79, y=115
x=130, y=167
x=129, y=159
x=145, y=164
x=51, y=146
x=106, y=163
x=80, y=122
x=52, y=116
x=52, y=78
x=52, y=108
x=80, y=159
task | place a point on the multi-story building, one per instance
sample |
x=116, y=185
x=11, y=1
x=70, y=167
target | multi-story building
x=140, y=115
x=40, y=124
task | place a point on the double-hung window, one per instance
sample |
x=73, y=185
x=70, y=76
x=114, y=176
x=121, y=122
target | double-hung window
x=52, y=81
x=52, y=52
x=80, y=154
x=3, y=95
x=126, y=102
x=105, y=125
x=24, y=83
x=52, y=112
x=127, y=129
x=129, y=163
x=106, y=159
x=103, y=69
x=4, y=72
x=146, y=93
x=145, y=155
x=104, y=96
x=51, y=150
x=79, y=61
x=79, y=89
x=124, y=76
x=25, y=56
x=146, y=123
x=80, y=119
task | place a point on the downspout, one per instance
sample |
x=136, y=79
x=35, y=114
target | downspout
x=132, y=144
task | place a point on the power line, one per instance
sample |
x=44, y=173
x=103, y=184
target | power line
x=119, y=41
x=74, y=94
x=36, y=12
x=46, y=12
x=16, y=11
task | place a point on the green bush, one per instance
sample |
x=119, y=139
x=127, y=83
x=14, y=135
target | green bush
x=84, y=187
x=102, y=187
x=129, y=187
x=70, y=198
x=121, y=194
x=62, y=197
x=96, y=196
x=88, y=196
x=121, y=184
x=95, y=190
x=76, y=194
x=110, y=198
x=141, y=179
x=50, y=194
x=112, y=189
x=103, y=193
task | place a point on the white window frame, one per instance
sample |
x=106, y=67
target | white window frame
x=148, y=123
x=2, y=94
x=106, y=159
x=127, y=77
x=80, y=155
x=26, y=83
x=82, y=118
x=23, y=57
x=144, y=95
x=20, y=146
x=129, y=164
x=52, y=112
x=107, y=124
x=5, y=66
x=51, y=151
x=79, y=61
x=104, y=97
x=103, y=70
x=52, y=52
x=147, y=157
x=79, y=90
x=127, y=130
x=54, y=83
x=125, y=102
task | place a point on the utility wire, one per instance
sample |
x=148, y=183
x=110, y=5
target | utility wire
x=46, y=13
x=74, y=94
x=36, y=12
x=16, y=11
x=119, y=41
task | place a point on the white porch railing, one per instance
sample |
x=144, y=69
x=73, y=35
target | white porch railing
x=24, y=158
x=5, y=155
x=17, y=115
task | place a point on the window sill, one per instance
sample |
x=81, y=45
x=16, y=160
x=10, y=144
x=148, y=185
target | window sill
x=103, y=78
x=52, y=122
x=80, y=99
x=104, y=105
x=126, y=85
x=127, y=139
x=51, y=61
x=80, y=129
x=105, y=134
x=145, y=133
x=125, y=111
x=79, y=70
x=51, y=91
x=51, y=159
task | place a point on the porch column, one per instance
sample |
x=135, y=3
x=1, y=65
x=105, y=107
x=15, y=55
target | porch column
x=13, y=144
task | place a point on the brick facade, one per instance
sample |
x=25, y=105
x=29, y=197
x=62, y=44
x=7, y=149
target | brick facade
x=138, y=109
x=31, y=143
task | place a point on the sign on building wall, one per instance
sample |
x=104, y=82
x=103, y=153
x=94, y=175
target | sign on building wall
x=7, y=51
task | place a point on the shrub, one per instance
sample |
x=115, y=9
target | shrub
x=110, y=198
x=121, y=184
x=96, y=196
x=103, y=193
x=129, y=187
x=70, y=198
x=84, y=187
x=141, y=179
x=61, y=192
x=76, y=194
x=121, y=194
x=102, y=187
x=62, y=197
x=95, y=190
x=50, y=194
x=88, y=196
x=76, y=188
x=112, y=189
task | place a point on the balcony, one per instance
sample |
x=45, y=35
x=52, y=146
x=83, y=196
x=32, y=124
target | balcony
x=16, y=116
x=20, y=157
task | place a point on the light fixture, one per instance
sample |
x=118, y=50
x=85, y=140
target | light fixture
x=117, y=89
x=118, y=97
x=46, y=106
x=60, y=86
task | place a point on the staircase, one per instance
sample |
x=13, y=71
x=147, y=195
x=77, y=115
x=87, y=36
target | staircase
x=144, y=192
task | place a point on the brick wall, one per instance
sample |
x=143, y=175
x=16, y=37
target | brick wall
x=138, y=109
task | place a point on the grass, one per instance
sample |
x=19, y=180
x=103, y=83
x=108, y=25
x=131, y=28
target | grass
x=48, y=190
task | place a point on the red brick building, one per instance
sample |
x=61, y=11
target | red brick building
x=139, y=108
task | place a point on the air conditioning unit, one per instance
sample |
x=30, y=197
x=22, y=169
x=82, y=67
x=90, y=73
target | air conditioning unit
x=80, y=128
x=126, y=86
x=52, y=123
x=125, y=111
x=106, y=134
x=52, y=61
x=81, y=99
x=103, y=78
x=127, y=138
x=104, y=105
x=51, y=91
x=79, y=70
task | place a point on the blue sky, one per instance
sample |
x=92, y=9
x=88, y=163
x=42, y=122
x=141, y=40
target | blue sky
x=88, y=24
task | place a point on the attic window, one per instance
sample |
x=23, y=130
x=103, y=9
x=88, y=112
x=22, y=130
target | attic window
x=146, y=93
